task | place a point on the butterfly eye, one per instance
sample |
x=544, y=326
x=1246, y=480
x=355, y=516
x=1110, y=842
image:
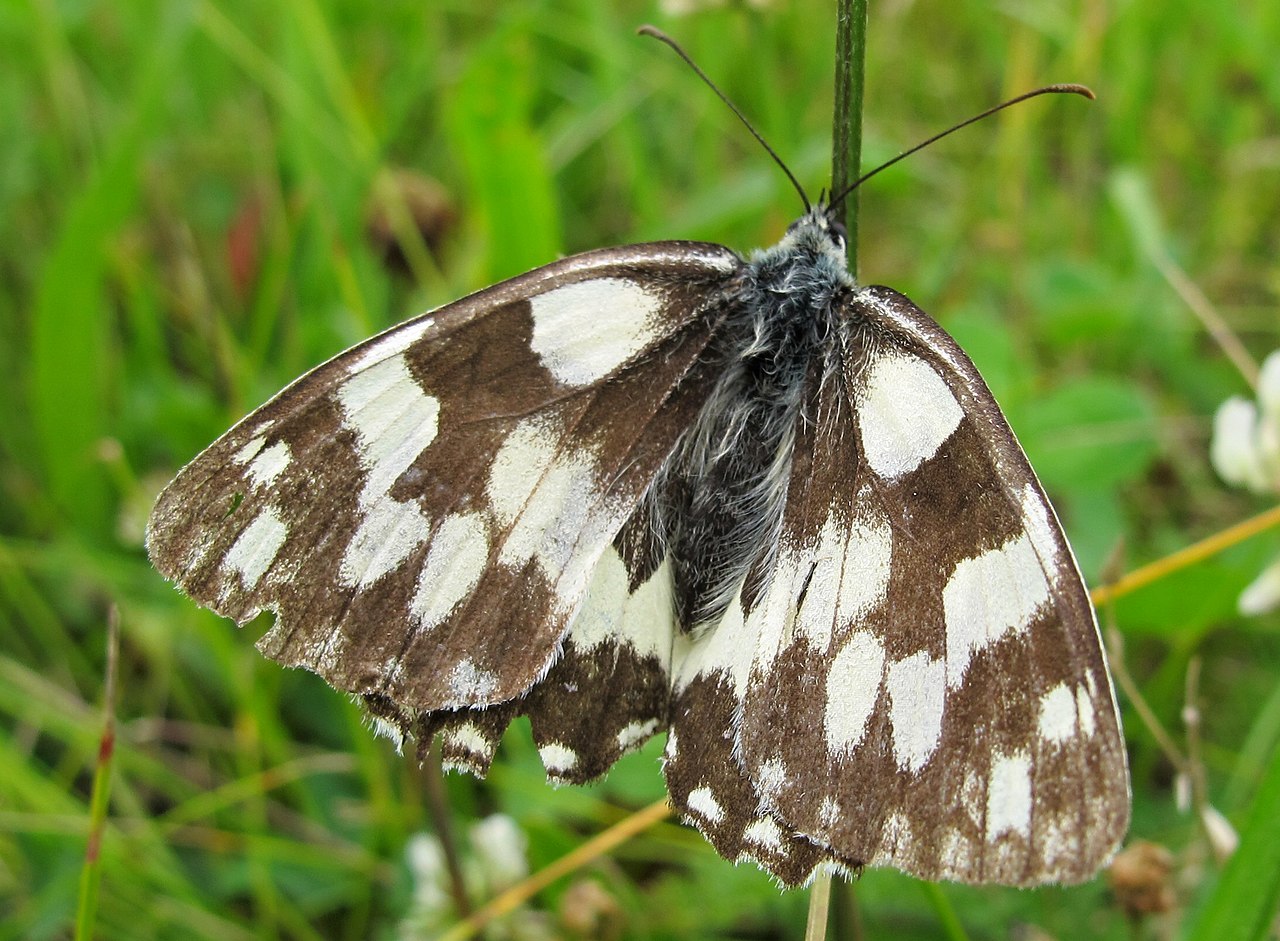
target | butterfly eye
x=840, y=233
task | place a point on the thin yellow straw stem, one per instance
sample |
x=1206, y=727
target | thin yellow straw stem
x=819, y=900
x=1197, y=552
x=520, y=893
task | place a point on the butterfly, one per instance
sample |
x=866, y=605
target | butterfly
x=747, y=502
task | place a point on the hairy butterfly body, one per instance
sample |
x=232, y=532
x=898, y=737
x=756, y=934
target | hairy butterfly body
x=662, y=488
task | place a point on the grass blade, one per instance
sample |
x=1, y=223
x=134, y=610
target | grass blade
x=91, y=874
x=1243, y=904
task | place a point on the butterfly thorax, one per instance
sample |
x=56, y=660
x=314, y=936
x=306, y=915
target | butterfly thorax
x=717, y=505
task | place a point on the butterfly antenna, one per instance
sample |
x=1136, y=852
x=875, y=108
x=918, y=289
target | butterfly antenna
x=655, y=33
x=1067, y=89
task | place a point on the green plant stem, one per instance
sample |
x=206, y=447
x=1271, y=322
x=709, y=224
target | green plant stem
x=846, y=163
x=91, y=873
x=846, y=133
x=948, y=920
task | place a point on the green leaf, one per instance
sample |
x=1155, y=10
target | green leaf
x=1095, y=433
x=512, y=193
x=70, y=336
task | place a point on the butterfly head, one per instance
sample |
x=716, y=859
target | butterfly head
x=818, y=231
x=815, y=241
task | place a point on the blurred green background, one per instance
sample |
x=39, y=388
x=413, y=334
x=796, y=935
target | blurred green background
x=196, y=204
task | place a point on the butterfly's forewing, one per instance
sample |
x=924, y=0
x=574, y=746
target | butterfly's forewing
x=424, y=513
x=927, y=687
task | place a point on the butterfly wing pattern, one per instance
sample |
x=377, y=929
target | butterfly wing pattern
x=423, y=513
x=922, y=685
x=661, y=488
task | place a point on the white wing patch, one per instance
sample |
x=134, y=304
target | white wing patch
x=957, y=850
x=989, y=596
x=853, y=688
x=384, y=728
x=895, y=838
x=635, y=732
x=1035, y=519
x=867, y=556
x=453, y=567
x=702, y=802
x=580, y=335
x=1084, y=711
x=1058, y=714
x=771, y=778
x=517, y=467
x=468, y=738
x=1009, y=796
x=394, y=421
x=644, y=619
x=470, y=684
x=269, y=464
x=327, y=653
x=917, y=694
x=555, y=517
x=256, y=548
x=764, y=831
x=546, y=500
x=388, y=532
x=394, y=342
x=1055, y=834
x=849, y=578
x=772, y=622
x=726, y=648
x=905, y=414
x=250, y=449
x=557, y=758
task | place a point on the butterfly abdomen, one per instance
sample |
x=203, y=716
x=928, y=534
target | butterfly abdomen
x=717, y=505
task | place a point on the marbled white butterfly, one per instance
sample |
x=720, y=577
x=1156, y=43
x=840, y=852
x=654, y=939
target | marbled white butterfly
x=662, y=488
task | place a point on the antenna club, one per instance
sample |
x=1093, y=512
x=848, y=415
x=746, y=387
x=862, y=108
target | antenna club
x=1071, y=88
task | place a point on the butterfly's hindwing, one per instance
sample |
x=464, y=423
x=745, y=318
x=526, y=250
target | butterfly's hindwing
x=468, y=737
x=608, y=691
x=404, y=506
x=704, y=771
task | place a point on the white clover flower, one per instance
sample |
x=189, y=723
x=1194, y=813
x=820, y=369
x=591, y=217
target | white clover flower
x=426, y=864
x=1245, y=451
x=1269, y=387
x=500, y=848
x=1223, y=839
x=1263, y=593
x=494, y=858
x=430, y=908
